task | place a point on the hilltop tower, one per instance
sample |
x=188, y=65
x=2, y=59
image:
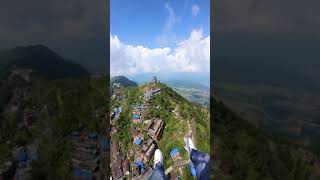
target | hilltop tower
x=154, y=79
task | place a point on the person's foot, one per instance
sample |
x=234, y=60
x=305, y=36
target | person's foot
x=189, y=144
x=158, y=158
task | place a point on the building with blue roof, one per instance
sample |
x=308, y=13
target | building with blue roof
x=117, y=110
x=104, y=144
x=93, y=135
x=136, y=118
x=140, y=165
x=34, y=156
x=175, y=154
x=137, y=140
x=22, y=156
x=82, y=174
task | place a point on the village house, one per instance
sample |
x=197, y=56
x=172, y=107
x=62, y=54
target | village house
x=117, y=110
x=116, y=85
x=146, y=106
x=175, y=154
x=156, y=91
x=138, y=107
x=147, y=96
x=147, y=151
x=22, y=73
x=138, y=139
x=155, y=129
x=115, y=115
x=136, y=118
x=85, y=154
x=136, y=111
x=149, y=93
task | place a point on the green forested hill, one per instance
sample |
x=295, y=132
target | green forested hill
x=124, y=81
x=40, y=59
x=242, y=151
x=59, y=107
x=180, y=117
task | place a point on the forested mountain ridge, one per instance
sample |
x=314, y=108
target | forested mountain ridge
x=243, y=151
x=40, y=59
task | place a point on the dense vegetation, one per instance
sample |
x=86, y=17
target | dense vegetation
x=76, y=101
x=124, y=135
x=124, y=81
x=60, y=97
x=179, y=115
x=241, y=151
x=62, y=106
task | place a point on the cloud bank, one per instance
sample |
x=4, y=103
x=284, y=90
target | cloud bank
x=190, y=55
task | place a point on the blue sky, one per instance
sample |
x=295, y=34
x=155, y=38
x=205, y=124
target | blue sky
x=140, y=22
x=146, y=32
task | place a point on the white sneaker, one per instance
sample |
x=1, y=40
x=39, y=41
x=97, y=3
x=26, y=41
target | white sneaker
x=189, y=144
x=158, y=158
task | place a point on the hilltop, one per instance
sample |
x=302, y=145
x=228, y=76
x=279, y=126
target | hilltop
x=154, y=116
x=40, y=59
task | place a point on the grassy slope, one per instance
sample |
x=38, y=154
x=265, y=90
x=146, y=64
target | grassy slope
x=175, y=128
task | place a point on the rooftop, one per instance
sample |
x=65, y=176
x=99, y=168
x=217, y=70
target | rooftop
x=135, y=116
x=174, y=151
x=137, y=140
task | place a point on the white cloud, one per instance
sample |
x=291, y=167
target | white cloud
x=190, y=55
x=195, y=9
x=166, y=35
x=171, y=19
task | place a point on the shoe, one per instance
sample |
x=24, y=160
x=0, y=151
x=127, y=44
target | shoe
x=189, y=146
x=158, y=158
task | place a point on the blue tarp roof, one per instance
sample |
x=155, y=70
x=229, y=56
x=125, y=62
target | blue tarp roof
x=85, y=174
x=137, y=140
x=75, y=133
x=138, y=163
x=23, y=156
x=35, y=156
x=104, y=144
x=93, y=135
x=174, y=151
x=135, y=116
x=117, y=110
